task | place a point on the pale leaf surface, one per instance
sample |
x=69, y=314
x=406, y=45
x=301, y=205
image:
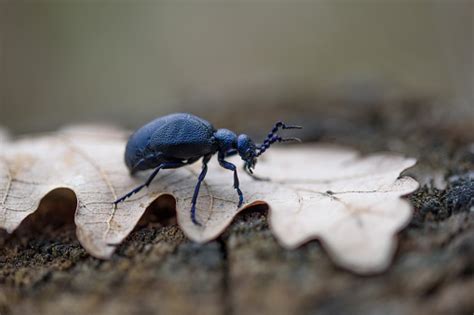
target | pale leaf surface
x=351, y=203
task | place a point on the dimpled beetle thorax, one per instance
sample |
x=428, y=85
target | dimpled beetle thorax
x=226, y=139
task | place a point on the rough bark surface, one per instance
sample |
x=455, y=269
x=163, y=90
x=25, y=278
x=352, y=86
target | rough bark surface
x=44, y=270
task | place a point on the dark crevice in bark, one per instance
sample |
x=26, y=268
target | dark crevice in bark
x=226, y=280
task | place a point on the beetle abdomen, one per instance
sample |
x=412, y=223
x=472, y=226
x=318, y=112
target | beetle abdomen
x=174, y=137
x=182, y=136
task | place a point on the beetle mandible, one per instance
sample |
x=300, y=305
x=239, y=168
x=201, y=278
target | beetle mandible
x=176, y=140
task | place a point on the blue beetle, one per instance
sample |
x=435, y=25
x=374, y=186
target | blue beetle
x=180, y=139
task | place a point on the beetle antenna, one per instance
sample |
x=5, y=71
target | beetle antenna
x=272, y=137
x=283, y=126
x=271, y=141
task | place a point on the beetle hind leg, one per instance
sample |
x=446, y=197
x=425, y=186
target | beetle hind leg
x=166, y=165
x=129, y=194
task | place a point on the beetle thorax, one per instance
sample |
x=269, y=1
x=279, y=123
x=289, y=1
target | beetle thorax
x=226, y=140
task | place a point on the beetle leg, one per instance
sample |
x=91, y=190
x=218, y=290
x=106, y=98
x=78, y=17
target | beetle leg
x=205, y=160
x=165, y=165
x=231, y=167
x=255, y=177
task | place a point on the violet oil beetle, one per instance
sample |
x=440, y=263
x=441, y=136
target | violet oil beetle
x=180, y=139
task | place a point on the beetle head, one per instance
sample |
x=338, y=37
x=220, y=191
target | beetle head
x=247, y=151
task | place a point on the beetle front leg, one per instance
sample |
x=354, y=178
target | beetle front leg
x=246, y=170
x=231, y=167
x=255, y=177
x=205, y=160
x=166, y=165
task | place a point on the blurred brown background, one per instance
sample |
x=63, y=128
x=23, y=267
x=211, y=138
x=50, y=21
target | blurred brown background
x=238, y=63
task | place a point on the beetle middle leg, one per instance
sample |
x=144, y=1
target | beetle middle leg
x=165, y=165
x=231, y=167
x=205, y=160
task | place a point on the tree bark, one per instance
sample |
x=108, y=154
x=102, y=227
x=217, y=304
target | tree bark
x=44, y=270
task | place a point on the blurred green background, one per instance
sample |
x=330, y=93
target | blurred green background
x=239, y=63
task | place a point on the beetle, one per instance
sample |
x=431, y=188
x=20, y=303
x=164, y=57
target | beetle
x=180, y=139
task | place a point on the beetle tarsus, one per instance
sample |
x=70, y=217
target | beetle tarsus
x=193, y=216
x=241, y=197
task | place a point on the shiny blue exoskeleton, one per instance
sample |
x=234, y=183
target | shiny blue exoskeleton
x=176, y=140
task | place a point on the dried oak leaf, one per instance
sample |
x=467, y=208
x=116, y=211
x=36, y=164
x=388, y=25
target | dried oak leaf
x=351, y=203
